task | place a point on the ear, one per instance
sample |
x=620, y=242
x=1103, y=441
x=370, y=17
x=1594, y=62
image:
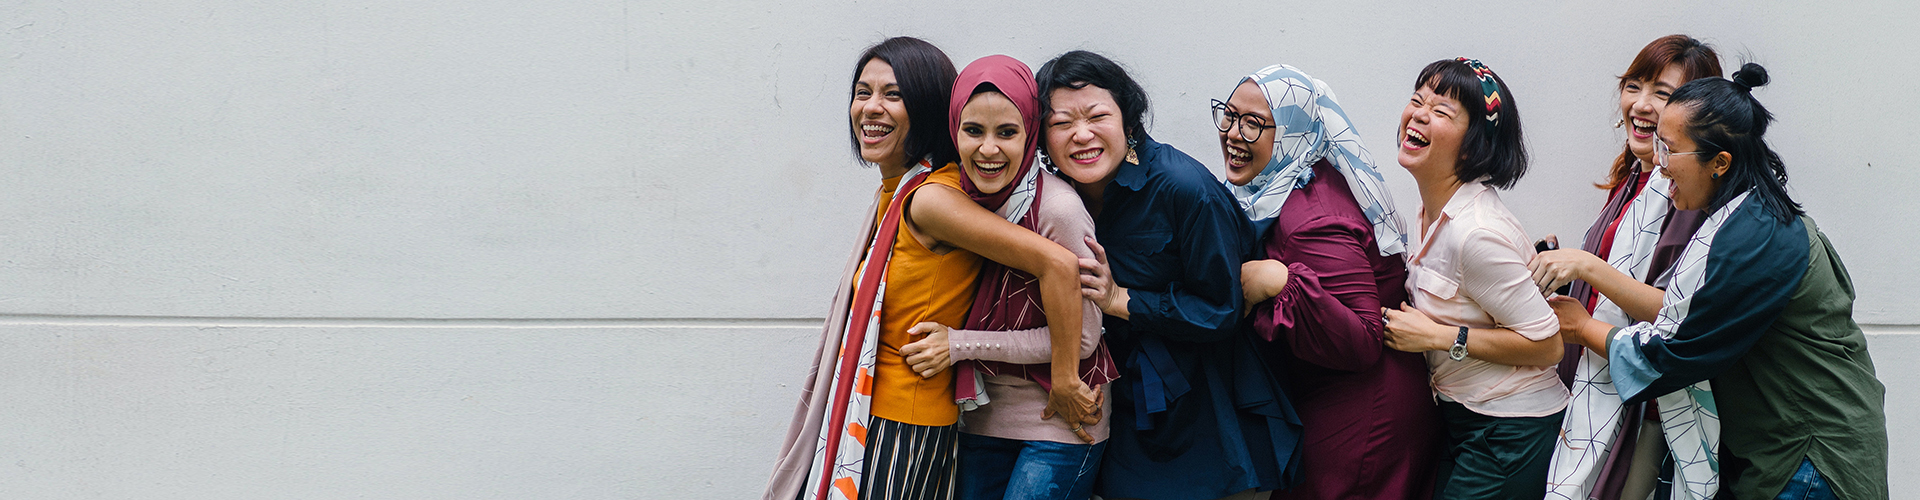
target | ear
x=1720, y=163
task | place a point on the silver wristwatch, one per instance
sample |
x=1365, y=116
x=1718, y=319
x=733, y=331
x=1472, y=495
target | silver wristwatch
x=1459, y=350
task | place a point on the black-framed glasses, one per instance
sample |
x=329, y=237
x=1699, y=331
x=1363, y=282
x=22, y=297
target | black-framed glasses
x=1251, y=126
x=1661, y=153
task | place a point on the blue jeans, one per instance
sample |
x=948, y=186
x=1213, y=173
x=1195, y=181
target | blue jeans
x=992, y=468
x=1805, y=485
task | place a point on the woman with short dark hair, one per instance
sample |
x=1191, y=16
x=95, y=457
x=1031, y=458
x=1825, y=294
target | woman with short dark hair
x=1759, y=304
x=1488, y=335
x=1196, y=414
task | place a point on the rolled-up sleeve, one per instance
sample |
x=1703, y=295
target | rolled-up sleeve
x=1498, y=280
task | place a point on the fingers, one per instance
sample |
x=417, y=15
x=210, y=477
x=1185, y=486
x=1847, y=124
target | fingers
x=1084, y=436
x=1099, y=252
x=924, y=328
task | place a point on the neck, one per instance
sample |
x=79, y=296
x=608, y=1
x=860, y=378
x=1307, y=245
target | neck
x=1093, y=195
x=1434, y=195
x=890, y=170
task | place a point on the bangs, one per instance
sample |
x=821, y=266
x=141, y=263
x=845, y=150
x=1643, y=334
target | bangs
x=1456, y=80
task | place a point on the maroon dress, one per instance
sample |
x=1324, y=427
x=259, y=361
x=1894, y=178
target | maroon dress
x=1370, y=423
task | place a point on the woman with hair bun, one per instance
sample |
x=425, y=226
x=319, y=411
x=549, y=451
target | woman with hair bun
x=1609, y=450
x=1760, y=304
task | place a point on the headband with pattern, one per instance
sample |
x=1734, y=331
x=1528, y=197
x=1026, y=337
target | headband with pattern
x=1488, y=88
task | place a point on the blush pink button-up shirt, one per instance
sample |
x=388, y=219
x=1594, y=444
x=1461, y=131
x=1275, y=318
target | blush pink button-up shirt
x=1471, y=270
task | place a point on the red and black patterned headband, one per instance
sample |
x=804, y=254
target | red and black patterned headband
x=1488, y=87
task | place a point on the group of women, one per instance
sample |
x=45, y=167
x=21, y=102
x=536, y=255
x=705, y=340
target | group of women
x=1049, y=303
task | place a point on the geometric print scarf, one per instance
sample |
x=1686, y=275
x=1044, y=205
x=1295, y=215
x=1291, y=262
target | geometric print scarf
x=843, y=435
x=1312, y=127
x=1689, y=419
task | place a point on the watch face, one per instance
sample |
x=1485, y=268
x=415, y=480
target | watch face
x=1458, y=352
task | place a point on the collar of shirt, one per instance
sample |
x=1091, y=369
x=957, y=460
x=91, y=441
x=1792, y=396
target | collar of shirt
x=1462, y=200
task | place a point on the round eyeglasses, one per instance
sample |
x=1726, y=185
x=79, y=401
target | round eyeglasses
x=1251, y=126
x=1661, y=153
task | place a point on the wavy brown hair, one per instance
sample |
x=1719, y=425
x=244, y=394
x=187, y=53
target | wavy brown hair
x=1696, y=60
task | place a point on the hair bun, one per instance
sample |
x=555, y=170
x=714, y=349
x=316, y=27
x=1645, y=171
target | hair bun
x=1749, y=76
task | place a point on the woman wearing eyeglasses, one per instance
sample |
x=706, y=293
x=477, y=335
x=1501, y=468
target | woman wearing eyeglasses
x=1331, y=256
x=1760, y=304
x=1487, y=334
x=1611, y=452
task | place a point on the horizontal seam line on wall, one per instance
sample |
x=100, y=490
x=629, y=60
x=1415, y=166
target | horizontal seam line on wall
x=273, y=322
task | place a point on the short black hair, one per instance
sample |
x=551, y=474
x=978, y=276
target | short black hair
x=1492, y=150
x=1726, y=117
x=925, y=75
x=1078, y=69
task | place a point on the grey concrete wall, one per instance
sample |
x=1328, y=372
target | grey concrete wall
x=579, y=249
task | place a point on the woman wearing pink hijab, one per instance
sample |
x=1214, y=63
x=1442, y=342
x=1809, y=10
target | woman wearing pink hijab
x=1009, y=362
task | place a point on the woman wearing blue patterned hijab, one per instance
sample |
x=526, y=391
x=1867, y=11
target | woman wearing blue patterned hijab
x=1329, y=261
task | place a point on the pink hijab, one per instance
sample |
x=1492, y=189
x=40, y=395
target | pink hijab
x=1009, y=299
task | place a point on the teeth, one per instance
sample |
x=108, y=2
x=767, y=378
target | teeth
x=1088, y=155
x=1239, y=154
x=1639, y=123
x=876, y=128
x=1416, y=135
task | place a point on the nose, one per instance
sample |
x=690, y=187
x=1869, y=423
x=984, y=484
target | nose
x=1645, y=103
x=1082, y=134
x=872, y=107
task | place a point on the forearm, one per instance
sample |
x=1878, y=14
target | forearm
x=1639, y=300
x=1507, y=347
x=1335, y=330
x=1060, y=296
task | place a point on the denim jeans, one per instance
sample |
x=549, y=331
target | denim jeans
x=1806, y=484
x=992, y=468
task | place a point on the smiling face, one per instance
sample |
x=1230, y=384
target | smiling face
x=1245, y=159
x=1431, y=128
x=992, y=138
x=879, y=116
x=1693, y=175
x=1085, y=137
x=1641, y=102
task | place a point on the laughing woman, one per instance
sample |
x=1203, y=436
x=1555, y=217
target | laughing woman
x=1760, y=304
x=869, y=425
x=1008, y=357
x=1332, y=256
x=1488, y=336
x=1610, y=451
x=1196, y=414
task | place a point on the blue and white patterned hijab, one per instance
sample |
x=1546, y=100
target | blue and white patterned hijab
x=1314, y=127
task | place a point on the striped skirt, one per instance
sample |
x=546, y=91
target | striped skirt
x=910, y=462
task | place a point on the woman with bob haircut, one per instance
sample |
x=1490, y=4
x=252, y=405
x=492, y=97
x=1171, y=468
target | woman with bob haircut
x=1612, y=451
x=1196, y=413
x=1488, y=335
x=869, y=425
x=1760, y=304
x=1332, y=254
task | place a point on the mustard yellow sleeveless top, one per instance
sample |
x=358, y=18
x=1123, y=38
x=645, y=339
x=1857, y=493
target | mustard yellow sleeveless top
x=921, y=286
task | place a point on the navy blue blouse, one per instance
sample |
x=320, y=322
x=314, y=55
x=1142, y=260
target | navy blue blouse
x=1196, y=415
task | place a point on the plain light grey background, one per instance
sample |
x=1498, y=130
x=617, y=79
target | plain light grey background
x=580, y=249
